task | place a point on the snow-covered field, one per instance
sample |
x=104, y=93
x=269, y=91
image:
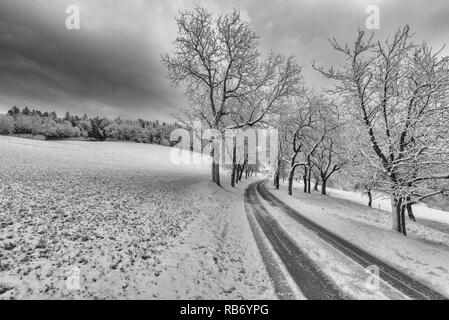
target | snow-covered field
x=123, y=218
x=421, y=211
x=133, y=225
x=424, y=254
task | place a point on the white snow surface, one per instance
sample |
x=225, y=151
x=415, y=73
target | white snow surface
x=421, y=211
x=343, y=272
x=135, y=225
x=423, y=254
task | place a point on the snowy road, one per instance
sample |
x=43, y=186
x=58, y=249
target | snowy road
x=305, y=273
x=312, y=282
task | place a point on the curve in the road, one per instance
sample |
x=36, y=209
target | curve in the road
x=397, y=279
x=281, y=286
x=309, y=278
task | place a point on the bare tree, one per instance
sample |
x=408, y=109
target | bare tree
x=227, y=83
x=297, y=132
x=331, y=153
x=261, y=106
x=281, y=164
x=329, y=160
x=365, y=177
x=316, y=177
x=398, y=92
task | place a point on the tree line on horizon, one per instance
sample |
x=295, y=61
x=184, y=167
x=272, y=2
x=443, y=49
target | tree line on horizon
x=35, y=123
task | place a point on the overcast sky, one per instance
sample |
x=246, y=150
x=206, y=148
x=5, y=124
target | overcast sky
x=111, y=66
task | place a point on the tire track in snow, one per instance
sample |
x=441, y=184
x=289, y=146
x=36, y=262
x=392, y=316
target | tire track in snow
x=308, y=277
x=400, y=281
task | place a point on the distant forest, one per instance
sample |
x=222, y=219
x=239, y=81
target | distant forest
x=49, y=126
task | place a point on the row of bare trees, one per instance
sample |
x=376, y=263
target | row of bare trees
x=395, y=94
x=312, y=139
x=386, y=123
x=228, y=83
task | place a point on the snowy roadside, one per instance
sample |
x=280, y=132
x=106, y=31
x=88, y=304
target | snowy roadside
x=352, y=279
x=421, y=211
x=217, y=257
x=423, y=255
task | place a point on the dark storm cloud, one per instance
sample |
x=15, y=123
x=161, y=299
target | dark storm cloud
x=111, y=66
x=108, y=66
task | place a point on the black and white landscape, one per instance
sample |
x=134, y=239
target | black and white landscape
x=207, y=150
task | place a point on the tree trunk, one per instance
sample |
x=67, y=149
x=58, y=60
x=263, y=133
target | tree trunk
x=305, y=179
x=395, y=213
x=309, y=181
x=323, y=186
x=291, y=176
x=370, y=198
x=217, y=173
x=242, y=169
x=398, y=215
x=315, y=186
x=277, y=174
x=215, y=170
x=276, y=180
x=403, y=229
x=411, y=216
x=237, y=173
x=234, y=165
